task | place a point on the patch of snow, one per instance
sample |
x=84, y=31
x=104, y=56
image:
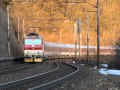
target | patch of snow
x=104, y=65
x=82, y=64
x=109, y=72
x=95, y=67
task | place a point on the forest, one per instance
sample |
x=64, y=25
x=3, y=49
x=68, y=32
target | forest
x=55, y=20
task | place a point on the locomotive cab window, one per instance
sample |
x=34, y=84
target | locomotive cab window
x=37, y=41
x=28, y=41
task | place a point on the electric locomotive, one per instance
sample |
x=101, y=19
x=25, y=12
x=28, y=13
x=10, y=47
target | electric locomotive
x=33, y=48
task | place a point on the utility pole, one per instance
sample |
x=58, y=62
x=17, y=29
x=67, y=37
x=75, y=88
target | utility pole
x=60, y=42
x=98, y=32
x=18, y=29
x=8, y=8
x=18, y=21
x=75, y=47
x=78, y=32
x=23, y=29
x=75, y=41
x=88, y=28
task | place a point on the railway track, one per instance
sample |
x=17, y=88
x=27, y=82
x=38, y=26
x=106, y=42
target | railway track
x=14, y=68
x=43, y=81
x=10, y=61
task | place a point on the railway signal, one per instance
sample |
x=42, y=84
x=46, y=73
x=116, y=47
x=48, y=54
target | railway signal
x=77, y=34
x=8, y=15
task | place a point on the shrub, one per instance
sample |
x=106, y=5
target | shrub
x=115, y=64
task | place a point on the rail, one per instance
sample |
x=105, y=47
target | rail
x=22, y=81
x=10, y=58
x=57, y=81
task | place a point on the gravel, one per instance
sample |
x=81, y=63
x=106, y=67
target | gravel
x=37, y=69
x=87, y=79
x=90, y=79
x=8, y=63
x=115, y=80
x=47, y=77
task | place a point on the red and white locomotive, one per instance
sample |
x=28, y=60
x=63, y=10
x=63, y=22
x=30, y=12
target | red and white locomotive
x=36, y=49
x=33, y=48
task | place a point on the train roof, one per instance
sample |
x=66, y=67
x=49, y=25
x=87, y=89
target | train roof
x=33, y=35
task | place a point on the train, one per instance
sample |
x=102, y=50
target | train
x=37, y=50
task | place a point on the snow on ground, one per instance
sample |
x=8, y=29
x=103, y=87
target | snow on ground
x=104, y=65
x=82, y=64
x=106, y=71
x=109, y=71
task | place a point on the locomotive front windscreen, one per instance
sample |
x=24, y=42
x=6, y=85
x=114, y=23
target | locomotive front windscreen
x=33, y=41
x=28, y=41
x=37, y=41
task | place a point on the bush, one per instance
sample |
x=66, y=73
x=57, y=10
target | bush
x=115, y=64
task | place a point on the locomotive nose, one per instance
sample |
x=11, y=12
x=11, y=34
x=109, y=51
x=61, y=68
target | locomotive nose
x=33, y=46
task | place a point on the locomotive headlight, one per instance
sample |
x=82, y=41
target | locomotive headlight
x=33, y=46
